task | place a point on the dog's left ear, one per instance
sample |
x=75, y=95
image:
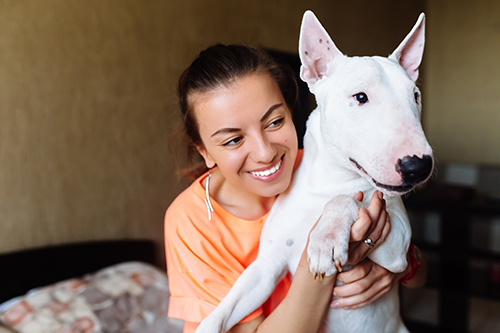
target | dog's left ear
x=316, y=49
x=409, y=53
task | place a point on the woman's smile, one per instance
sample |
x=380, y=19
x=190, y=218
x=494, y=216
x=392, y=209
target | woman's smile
x=275, y=170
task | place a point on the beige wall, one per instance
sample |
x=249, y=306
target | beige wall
x=82, y=92
x=462, y=87
x=86, y=101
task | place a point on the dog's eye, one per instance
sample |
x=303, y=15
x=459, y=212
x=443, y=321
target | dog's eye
x=417, y=97
x=361, y=97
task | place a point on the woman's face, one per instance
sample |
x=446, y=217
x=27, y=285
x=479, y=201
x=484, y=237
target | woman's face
x=247, y=131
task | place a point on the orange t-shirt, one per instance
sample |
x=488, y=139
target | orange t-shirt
x=204, y=258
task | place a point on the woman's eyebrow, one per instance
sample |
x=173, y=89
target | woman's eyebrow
x=225, y=130
x=271, y=109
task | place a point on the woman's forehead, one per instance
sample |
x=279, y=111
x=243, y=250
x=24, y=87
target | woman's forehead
x=248, y=96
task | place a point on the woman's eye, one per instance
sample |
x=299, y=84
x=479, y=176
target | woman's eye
x=232, y=142
x=361, y=97
x=277, y=122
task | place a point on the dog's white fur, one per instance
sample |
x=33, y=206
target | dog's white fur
x=349, y=146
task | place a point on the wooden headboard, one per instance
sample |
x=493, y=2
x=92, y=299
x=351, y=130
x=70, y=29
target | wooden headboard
x=28, y=269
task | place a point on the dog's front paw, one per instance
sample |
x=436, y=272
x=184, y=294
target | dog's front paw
x=326, y=253
x=329, y=242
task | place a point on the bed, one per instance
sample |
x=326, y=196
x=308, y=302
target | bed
x=103, y=286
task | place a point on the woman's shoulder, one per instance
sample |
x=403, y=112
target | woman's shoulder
x=186, y=205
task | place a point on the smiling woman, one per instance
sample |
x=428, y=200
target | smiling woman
x=217, y=67
x=254, y=148
x=236, y=105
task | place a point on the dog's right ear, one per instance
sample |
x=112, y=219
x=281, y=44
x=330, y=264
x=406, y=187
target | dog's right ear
x=316, y=49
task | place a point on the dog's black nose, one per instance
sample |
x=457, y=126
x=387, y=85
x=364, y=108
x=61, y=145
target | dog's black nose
x=414, y=169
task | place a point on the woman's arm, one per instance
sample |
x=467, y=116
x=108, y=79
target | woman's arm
x=306, y=303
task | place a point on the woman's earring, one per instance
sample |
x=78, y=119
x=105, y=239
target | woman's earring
x=210, y=209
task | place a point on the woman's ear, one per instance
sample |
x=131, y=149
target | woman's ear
x=209, y=162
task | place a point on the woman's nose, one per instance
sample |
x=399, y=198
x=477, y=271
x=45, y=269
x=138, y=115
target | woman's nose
x=263, y=150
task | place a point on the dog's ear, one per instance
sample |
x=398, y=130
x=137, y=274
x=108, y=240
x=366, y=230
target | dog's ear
x=409, y=53
x=316, y=49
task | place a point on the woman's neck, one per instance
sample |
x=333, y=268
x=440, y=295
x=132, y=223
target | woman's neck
x=243, y=204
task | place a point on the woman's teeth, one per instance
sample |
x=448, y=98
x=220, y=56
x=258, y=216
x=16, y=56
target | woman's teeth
x=267, y=172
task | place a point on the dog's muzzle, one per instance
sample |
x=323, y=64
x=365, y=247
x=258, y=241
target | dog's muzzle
x=413, y=170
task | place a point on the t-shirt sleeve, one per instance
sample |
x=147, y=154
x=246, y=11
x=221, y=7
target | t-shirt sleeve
x=199, y=275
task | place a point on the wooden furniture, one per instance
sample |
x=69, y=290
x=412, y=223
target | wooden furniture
x=454, y=274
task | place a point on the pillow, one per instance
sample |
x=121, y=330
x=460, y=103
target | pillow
x=128, y=297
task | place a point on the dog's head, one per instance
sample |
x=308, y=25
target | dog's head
x=370, y=107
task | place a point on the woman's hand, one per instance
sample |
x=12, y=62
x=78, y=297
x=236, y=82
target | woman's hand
x=367, y=281
x=364, y=284
x=373, y=224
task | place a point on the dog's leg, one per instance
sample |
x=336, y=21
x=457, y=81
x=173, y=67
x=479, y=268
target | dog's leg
x=391, y=254
x=251, y=290
x=329, y=241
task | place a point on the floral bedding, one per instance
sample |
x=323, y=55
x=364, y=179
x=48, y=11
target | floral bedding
x=130, y=297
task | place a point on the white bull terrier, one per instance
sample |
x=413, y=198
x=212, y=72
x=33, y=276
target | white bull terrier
x=365, y=135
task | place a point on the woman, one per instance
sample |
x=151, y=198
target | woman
x=236, y=105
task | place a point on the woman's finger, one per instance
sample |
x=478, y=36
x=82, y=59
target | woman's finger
x=382, y=220
x=359, y=271
x=359, y=196
x=361, y=227
x=377, y=209
x=377, y=204
x=366, y=302
x=363, y=291
x=358, y=251
x=353, y=287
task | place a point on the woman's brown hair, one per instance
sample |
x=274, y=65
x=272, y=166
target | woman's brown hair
x=217, y=66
